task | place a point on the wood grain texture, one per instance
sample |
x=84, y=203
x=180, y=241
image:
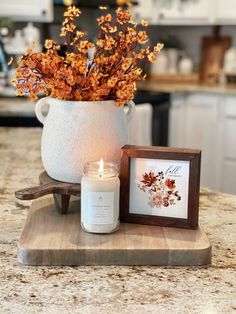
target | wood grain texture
x=61, y=192
x=212, y=59
x=175, y=78
x=48, y=186
x=49, y=238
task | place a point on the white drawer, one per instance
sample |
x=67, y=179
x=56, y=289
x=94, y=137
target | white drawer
x=230, y=107
x=228, y=181
x=177, y=99
x=229, y=138
x=203, y=99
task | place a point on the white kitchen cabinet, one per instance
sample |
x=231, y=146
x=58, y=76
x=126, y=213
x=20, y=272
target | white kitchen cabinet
x=27, y=10
x=186, y=12
x=183, y=12
x=197, y=118
x=225, y=11
x=176, y=118
x=208, y=122
x=144, y=10
x=228, y=169
x=228, y=177
x=201, y=122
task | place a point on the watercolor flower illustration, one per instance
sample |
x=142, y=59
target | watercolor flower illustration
x=161, y=191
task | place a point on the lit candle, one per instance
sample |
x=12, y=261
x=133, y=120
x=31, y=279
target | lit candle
x=100, y=189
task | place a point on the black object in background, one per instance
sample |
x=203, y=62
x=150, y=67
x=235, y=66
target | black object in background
x=160, y=121
x=26, y=122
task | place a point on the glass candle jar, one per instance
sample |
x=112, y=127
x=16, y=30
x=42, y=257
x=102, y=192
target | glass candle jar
x=100, y=190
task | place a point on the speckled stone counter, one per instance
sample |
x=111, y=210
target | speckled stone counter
x=208, y=289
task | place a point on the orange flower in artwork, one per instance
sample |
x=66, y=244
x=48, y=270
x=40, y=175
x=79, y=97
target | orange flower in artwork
x=105, y=70
x=160, y=190
x=149, y=178
x=170, y=183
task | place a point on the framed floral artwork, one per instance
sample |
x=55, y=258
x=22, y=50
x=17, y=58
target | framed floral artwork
x=160, y=186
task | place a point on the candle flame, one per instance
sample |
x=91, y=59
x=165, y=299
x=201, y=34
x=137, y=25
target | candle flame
x=101, y=167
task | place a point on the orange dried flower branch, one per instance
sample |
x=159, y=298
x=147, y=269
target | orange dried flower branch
x=106, y=71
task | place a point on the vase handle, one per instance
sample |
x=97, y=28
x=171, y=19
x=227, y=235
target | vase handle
x=39, y=107
x=131, y=111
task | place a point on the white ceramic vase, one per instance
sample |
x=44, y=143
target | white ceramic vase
x=78, y=131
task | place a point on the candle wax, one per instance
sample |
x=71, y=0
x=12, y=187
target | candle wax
x=100, y=203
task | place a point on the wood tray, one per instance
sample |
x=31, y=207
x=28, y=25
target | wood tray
x=49, y=238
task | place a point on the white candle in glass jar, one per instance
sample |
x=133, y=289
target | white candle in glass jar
x=100, y=190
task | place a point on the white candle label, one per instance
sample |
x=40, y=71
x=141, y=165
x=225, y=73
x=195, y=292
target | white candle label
x=100, y=208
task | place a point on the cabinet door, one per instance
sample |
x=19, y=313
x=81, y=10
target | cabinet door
x=176, y=129
x=27, y=10
x=183, y=12
x=202, y=131
x=226, y=11
x=194, y=122
x=207, y=122
x=228, y=183
x=143, y=10
x=228, y=170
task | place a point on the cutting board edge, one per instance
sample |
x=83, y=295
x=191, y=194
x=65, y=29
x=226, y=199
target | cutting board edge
x=155, y=257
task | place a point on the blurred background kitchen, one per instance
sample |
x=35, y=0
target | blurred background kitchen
x=189, y=98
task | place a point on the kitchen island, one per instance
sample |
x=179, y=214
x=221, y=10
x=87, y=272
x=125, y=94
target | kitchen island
x=123, y=289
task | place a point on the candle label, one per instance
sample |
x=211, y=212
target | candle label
x=100, y=208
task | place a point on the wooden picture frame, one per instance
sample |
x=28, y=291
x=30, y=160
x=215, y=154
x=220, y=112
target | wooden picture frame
x=189, y=160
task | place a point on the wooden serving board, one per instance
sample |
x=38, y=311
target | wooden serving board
x=49, y=238
x=212, y=59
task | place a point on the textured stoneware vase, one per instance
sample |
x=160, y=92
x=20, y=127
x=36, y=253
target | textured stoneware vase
x=78, y=131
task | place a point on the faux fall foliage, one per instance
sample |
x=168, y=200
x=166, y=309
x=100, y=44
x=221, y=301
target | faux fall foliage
x=107, y=70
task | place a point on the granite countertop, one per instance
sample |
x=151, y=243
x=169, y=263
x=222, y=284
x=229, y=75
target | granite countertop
x=161, y=87
x=123, y=289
